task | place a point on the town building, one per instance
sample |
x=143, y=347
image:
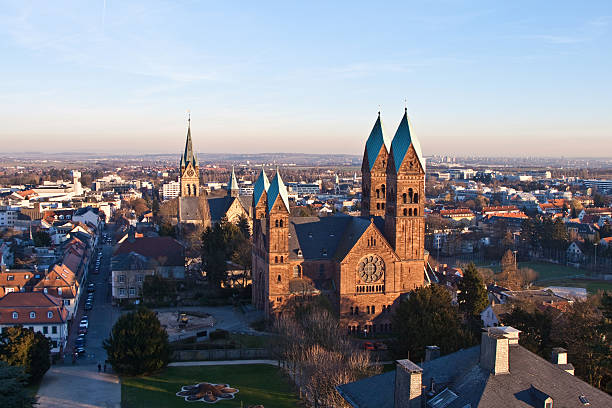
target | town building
x=37, y=311
x=171, y=190
x=497, y=373
x=362, y=263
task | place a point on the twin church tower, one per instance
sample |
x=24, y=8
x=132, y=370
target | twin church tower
x=362, y=264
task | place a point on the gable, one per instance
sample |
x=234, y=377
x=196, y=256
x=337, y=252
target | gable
x=371, y=231
x=411, y=162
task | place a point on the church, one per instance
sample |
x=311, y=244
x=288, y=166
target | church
x=362, y=264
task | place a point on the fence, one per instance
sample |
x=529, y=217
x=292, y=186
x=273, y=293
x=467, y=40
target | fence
x=220, y=354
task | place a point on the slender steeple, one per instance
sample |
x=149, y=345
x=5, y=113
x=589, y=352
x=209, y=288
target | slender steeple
x=232, y=186
x=373, y=171
x=374, y=144
x=402, y=141
x=277, y=189
x=261, y=186
x=189, y=156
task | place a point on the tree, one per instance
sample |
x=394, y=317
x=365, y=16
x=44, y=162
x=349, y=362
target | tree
x=156, y=289
x=13, y=391
x=24, y=347
x=508, y=261
x=244, y=227
x=472, y=296
x=535, y=328
x=425, y=318
x=138, y=344
x=41, y=238
x=219, y=244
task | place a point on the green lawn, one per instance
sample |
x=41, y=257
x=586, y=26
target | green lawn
x=257, y=384
x=592, y=286
x=545, y=270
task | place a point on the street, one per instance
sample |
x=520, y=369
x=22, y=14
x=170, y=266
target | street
x=80, y=384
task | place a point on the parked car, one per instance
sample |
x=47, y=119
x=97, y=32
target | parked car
x=91, y=287
x=79, y=351
x=84, y=323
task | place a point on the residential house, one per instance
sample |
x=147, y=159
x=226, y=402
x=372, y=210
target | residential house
x=575, y=252
x=497, y=373
x=61, y=283
x=458, y=214
x=166, y=251
x=18, y=280
x=39, y=312
x=128, y=274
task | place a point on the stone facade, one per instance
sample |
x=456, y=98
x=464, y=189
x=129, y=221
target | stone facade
x=362, y=264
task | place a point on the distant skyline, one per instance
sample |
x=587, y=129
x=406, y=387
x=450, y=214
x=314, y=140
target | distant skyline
x=480, y=78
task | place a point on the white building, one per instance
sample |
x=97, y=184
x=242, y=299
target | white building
x=171, y=190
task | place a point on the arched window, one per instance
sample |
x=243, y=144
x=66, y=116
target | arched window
x=405, y=212
x=276, y=223
x=352, y=310
x=367, y=309
x=296, y=271
x=378, y=206
x=410, y=194
x=195, y=190
x=384, y=163
x=415, y=212
x=188, y=189
x=282, y=259
x=382, y=189
x=382, y=206
x=356, y=310
x=377, y=193
x=281, y=223
x=404, y=197
x=410, y=212
x=373, y=309
x=416, y=198
x=276, y=259
x=278, y=278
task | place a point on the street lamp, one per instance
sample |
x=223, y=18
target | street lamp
x=595, y=266
x=515, y=263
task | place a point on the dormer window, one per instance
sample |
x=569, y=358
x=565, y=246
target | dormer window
x=15, y=315
x=10, y=277
x=50, y=315
x=32, y=315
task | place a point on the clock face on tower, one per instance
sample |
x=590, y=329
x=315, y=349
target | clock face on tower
x=190, y=173
x=370, y=268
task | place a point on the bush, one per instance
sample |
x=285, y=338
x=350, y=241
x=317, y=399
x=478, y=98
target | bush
x=24, y=347
x=138, y=344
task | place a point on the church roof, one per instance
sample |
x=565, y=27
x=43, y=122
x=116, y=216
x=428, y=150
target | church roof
x=233, y=183
x=189, y=156
x=277, y=188
x=375, y=142
x=325, y=237
x=189, y=209
x=402, y=141
x=219, y=206
x=261, y=184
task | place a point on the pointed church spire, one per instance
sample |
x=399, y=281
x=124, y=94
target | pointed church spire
x=232, y=186
x=261, y=185
x=277, y=189
x=375, y=142
x=189, y=156
x=402, y=141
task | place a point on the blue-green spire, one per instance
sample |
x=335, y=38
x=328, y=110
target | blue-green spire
x=401, y=143
x=261, y=185
x=376, y=141
x=277, y=188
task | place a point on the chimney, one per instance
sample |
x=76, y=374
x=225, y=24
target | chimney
x=559, y=358
x=495, y=351
x=408, y=384
x=432, y=352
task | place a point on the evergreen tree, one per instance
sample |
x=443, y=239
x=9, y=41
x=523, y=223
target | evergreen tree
x=24, y=347
x=220, y=244
x=245, y=228
x=138, y=344
x=41, y=239
x=425, y=318
x=472, y=296
x=13, y=391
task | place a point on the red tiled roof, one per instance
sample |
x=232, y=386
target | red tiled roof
x=497, y=208
x=156, y=248
x=20, y=279
x=26, y=302
x=26, y=193
x=457, y=211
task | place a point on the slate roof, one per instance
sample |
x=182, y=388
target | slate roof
x=261, y=184
x=277, y=188
x=157, y=248
x=375, y=142
x=325, y=237
x=402, y=141
x=219, y=206
x=189, y=209
x=131, y=261
x=461, y=373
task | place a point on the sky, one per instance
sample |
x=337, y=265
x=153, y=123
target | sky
x=484, y=78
